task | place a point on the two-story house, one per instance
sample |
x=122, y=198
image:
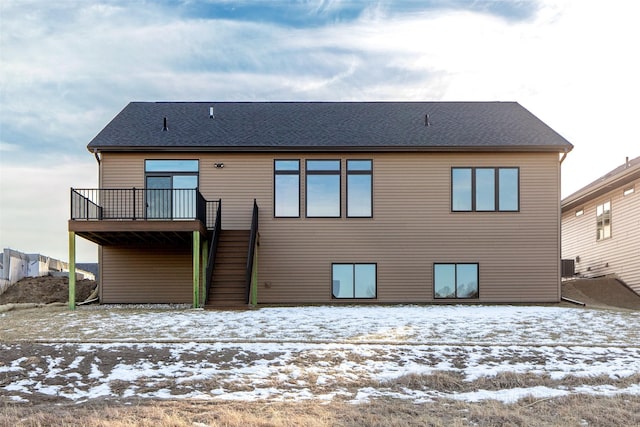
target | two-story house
x=601, y=226
x=324, y=202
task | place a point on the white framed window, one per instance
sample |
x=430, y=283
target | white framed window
x=603, y=220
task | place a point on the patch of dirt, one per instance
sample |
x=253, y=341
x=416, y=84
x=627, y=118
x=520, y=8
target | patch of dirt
x=601, y=292
x=45, y=290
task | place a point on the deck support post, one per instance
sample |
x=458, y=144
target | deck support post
x=72, y=270
x=196, y=269
x=203, y=272
x=254, y=279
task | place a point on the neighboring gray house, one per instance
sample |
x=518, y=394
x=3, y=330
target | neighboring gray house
x=601, y=226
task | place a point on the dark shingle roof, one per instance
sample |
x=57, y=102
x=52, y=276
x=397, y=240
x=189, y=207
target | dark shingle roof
x=275, y=126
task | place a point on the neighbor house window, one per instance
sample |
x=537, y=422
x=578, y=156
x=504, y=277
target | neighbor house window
x=359, y=188
x=485, y=189
x=580, y=212
x=354, y=280
x=323, y=188
x=603, y=220
x=171, y=187
x=286, y=188
x=629, y=190
x=455, y=280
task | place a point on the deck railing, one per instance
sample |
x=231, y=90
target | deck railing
x=139, y=204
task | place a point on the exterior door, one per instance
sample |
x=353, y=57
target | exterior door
x=159, y=197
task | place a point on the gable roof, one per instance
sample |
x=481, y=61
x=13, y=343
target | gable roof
x=622, y=175
x=327, y=126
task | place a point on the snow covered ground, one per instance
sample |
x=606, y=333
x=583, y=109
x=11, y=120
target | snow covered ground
x=349, y=353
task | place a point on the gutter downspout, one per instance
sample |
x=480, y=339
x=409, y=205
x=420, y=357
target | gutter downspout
x=99, y=278
x=564, y=156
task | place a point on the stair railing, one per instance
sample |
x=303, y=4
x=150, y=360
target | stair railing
x=213, y=248
x=252, y=257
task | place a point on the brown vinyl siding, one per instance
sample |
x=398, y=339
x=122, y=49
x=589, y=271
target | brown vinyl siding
x=616, y=255
x=412, y=225
x=146, y=275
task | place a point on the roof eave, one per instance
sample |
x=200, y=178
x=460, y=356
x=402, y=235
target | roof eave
x=594, y=191
x=351, y=148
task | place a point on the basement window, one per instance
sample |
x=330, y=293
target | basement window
x=353, y=280
x=455, y=280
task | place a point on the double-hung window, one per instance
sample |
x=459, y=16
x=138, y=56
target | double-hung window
x=354, y=280
x=455, y=280
x=359, y=188
x=323, y=188
x=603, y=220
x=485, y=189
x=286, y=188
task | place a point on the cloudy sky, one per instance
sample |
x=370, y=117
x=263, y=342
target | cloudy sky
x=68, y=66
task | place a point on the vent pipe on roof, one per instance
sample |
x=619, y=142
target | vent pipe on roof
x=626, y=162
x=164, y=126
x=426, y=120
x=211, y=116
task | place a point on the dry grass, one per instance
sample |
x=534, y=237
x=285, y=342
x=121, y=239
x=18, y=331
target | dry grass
x=568, y=411
x=453, y=382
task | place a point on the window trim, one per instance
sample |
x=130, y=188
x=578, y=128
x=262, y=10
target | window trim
x=456, y=264
x=326, y=173
x=354, y=264
x=368, y=172
x=496, y=193
x=286, y=172
x=601, y=223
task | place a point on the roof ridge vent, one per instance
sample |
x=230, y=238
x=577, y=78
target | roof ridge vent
x=164, y=125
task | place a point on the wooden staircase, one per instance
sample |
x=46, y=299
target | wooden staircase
x=229, y=287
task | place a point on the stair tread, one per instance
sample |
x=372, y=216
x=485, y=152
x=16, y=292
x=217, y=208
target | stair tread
x=229, y=288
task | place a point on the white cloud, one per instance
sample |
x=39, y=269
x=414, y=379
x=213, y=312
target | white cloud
x=7, y=146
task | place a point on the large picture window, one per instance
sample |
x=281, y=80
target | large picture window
x=485, y=189
x=323, y=188
x=603, y=220
x=455, y=280
x=287, y=188
x=354, y=280
x=359, y=188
